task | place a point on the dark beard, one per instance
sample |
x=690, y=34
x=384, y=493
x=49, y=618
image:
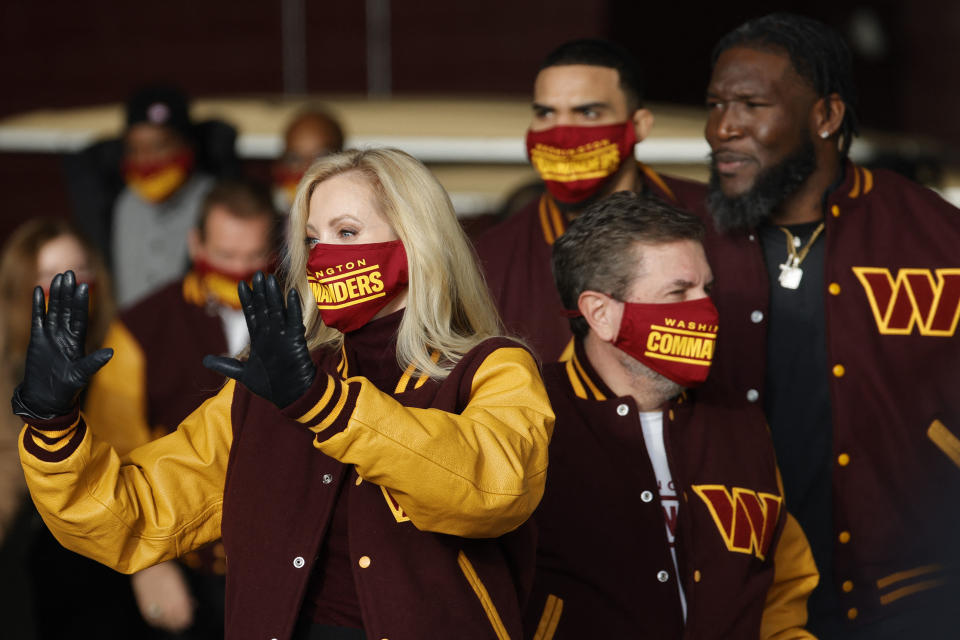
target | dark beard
x=772, y=187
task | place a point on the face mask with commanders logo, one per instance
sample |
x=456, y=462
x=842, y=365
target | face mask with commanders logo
x=156, y=182
x=353, y=282
x=675, y=339
x=575, y=161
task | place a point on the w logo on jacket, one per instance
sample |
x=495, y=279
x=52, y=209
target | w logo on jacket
x=915, y=298
x=746, y=519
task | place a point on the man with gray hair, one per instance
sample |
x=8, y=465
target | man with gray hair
x=697, y=541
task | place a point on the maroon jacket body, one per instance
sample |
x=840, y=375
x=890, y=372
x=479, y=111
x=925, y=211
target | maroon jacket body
x=175, y=334
x=604, y=567
x=892, y=278
x=515, y=256
x=279, y=500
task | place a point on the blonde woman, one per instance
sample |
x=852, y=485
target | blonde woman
x=369, y=474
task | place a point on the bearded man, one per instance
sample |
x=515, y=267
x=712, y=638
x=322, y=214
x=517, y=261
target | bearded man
x=839, y=289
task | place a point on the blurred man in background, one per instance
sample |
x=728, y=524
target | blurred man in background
x=311, y=134
x=839, y=290
x=587, y=117
x=156, y=379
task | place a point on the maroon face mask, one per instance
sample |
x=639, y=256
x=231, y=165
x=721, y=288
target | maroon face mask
x=575, y=161
x=353, y=282
x=676, y=339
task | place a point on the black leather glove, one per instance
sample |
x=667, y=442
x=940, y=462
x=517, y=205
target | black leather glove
x=56, y=369
x=279, y=367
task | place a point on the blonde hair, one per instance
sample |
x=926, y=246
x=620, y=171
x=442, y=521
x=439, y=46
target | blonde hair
x=448, y=309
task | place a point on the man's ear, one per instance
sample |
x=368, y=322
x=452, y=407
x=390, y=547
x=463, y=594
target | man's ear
x=827, y=116
x=642, y=123
x=602, y=313
x=194, y=245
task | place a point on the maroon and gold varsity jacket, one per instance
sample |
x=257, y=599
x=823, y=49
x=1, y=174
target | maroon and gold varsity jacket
x=435, y=470
x=515, y=256
x=892, y=278
x=604, y=567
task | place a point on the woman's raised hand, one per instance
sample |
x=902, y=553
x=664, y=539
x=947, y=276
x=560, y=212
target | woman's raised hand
x=279, y=367
x=56, y=369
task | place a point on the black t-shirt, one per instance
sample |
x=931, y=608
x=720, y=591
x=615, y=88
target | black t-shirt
x=797, y=397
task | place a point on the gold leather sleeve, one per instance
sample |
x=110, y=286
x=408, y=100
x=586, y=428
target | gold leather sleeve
x=153, y=504
x=795, y=576
x=476, y=474
x=116, y=402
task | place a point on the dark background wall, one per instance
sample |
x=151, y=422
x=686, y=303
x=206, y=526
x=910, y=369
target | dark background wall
x=63, y=53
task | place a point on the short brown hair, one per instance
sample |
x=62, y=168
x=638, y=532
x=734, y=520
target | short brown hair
x=597, y=252
x=242, y=200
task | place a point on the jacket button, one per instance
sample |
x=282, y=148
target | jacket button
x=622, y=410
x=752, y=238
x=697, y=576
x=756, y=317
x=752, y=395
x=852, y=613
x=364, y=562
x=327, y=478
x=298, y=562
x=844, y=537
x=670, y=415
x=843, y=459
x=838, y=370
x=847, y=586
x=834, y=289
x=835, y=210
x=646, y=496
x=663, y=576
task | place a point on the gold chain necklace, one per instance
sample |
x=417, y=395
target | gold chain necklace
x=790, y=271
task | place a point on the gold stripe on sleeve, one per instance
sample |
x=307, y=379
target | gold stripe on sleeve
x=317, y=408
x=900, y=576
x=945, y=441
x=906, y=591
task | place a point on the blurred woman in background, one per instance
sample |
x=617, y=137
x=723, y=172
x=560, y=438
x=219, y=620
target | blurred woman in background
x=36, y=570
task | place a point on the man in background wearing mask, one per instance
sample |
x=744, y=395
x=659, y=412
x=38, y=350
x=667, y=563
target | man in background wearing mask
x=696, y=538
x=312, y=133
x=587, y=117
x=156, y=378
x=162, y=197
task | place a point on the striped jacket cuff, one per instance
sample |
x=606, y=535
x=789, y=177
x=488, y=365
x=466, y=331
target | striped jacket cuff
x=326, y=407
x=54, y=440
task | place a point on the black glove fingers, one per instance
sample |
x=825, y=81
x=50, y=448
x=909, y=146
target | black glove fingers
x=260, y=301
x=228, y=367
x=67, y=290
x=246, y=303
x=38, y=312
x=79, y=314
x=294, y=313
x=89, y=365
x=275, y=303
x=53, y=303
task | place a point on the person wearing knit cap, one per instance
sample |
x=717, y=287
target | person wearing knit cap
x=162, y=196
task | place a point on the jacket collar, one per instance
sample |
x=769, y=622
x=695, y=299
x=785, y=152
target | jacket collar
x=554, y=224
x=587, y=384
